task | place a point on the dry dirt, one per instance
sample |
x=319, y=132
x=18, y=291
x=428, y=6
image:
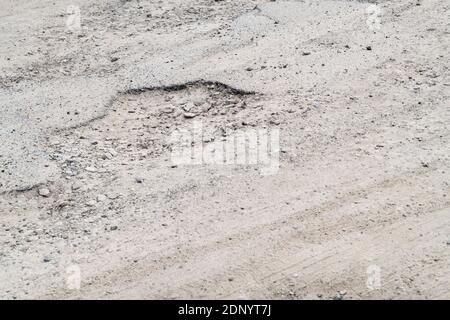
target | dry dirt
x=358, y=207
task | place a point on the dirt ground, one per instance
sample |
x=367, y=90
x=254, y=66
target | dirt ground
x=353, y=200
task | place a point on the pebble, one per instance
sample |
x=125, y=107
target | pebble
x=112, y=196
x=91, y=203
x=91, y=169
x=101, y=198
x=139, y=179
x=274, y=122
x=340, y=295
x=44, y=192
x=54, y=142
x=198, y=101
x=189, y=115
x=168, y=109
x=77, y=185
x=188, y=106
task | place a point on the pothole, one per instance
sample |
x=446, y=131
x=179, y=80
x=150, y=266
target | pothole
x=120, y=164
x=139, y=123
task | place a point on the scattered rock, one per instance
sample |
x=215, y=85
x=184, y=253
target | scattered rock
x=188, y=106
x=113, y=196
x=139, y=180
x=189, y=115
x=44, y=192
x=274, y=122
x=53, y=141
x=77, y=185
x=168, y=109
x=91, y=203
x=198, y=101
x=340, y=295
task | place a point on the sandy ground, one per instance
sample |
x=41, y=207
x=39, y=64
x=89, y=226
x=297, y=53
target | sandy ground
x=354, y=205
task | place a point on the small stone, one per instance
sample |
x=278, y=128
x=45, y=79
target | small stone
x=114, y=59
x=77, y=185
x=113, y=228
x=168, y=109
x=198, y=101
x=91, y=169
x=207, y=137
x=338, y=296
x=369, y=48
x=139, y=180
x=46, y=259
x=91, y=203
x=188, y=106
x=275, y=122
x=189, y=115
x=101, y=198
x=113, y=196
x=54, y=141
x=44, y=192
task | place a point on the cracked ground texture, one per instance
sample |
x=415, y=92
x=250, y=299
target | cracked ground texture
x=86, y=178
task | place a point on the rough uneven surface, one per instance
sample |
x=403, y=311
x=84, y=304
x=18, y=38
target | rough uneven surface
x=358, y=207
